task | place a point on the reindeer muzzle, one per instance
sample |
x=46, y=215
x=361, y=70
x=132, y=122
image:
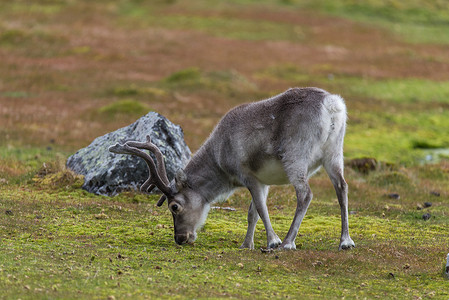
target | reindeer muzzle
x=184, y=238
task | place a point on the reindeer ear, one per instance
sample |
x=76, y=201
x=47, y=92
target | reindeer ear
x=180, y=179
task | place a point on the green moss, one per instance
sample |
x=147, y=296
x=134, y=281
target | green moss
x=417, y=21
x=60, y=179
x=36, y=42
x=228, y=27
x=15, y=94
x=21, y=164
x=438, y=172
x=125, y=91
x=186, y=76
x=228, y=82
x=286, y=72
x=392, y=178
x=402, y=90
x=80, y=245
x=399, y=90
x=421, y=144
x=13, y=37
x=81, y=50
x=126, y=107
x=135, y=90
x=46, y=7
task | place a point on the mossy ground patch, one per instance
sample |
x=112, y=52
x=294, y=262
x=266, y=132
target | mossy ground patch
x=63, y=62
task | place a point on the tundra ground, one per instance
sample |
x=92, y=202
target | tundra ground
x=72, y=71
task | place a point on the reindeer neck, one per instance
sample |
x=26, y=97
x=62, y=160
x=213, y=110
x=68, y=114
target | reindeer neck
x=207, y=178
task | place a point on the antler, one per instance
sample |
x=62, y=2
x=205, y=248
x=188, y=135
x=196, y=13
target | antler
x=158, y=176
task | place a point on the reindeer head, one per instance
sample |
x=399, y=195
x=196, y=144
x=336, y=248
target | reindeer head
x=189, y=209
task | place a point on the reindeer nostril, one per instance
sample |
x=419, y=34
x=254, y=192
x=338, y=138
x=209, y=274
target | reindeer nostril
x=181, y=239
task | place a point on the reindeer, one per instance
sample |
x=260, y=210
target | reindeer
x=280, y=140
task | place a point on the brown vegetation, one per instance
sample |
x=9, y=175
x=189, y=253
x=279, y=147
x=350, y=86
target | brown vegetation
x=59, y=68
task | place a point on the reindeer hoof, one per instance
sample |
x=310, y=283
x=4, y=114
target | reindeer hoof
x=275, y=243
x=346, y=244
x=288, y=246
x=247, y=246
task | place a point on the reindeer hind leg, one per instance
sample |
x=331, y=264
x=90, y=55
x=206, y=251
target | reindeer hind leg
x=334, y=168
x=303, y=197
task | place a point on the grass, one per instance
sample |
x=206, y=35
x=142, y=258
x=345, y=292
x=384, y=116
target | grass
x=21, y=164
x=417, y=21
x=73, y=71
x=234, y=29
x=221, y=26
x=38, y=43
x=126, y=108
x=420, y=21
x=227, y=82
x=63, y=242
x=392, y=90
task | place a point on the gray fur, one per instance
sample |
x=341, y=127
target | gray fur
x=292, y=134
x=280, y=140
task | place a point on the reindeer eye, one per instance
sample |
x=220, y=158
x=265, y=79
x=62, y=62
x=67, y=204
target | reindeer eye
x=175, y=208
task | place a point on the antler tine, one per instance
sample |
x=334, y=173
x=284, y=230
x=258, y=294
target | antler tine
x=154, y=178
x=148, y=145
x=161, y=200
x=149, y=189
x=147, y=186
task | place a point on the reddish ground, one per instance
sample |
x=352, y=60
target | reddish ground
x=69, y=75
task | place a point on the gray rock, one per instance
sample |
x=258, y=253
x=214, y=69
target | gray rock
x=435, y=193
x=106, y=173
x=395, y=196
x=426, y=216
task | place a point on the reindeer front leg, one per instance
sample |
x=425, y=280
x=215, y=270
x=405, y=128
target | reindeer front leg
x=253, y=217
x=259, y=193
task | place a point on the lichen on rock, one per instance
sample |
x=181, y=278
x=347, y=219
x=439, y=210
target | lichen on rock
x=106, y=173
